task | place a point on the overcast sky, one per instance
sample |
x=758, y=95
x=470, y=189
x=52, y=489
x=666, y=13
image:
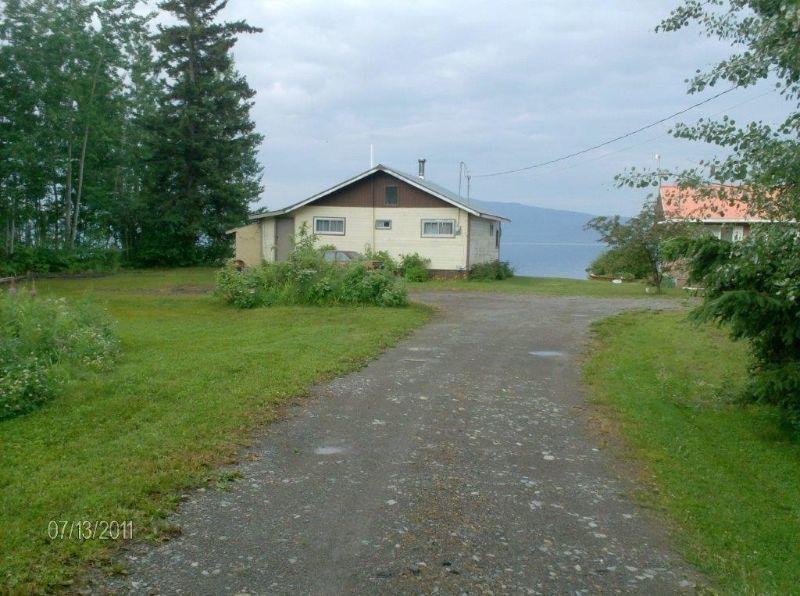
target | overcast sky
x=496, y=84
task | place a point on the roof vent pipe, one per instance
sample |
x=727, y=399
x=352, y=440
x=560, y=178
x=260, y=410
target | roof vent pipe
x=421, y=168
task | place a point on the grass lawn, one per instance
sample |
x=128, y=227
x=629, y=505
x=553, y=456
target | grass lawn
x=549, y=286
x=728, y=474
x=194, y=378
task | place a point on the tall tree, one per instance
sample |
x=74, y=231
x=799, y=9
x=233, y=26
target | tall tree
x=204, y=171
x=635, y=244
x=753, y=286
x=64, y=99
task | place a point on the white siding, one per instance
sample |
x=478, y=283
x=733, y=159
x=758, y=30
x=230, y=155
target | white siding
x=405, y=237
x=482, y=245
x=268, y=239
x=248, y=244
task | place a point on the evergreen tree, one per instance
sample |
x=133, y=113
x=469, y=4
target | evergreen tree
x=203, y=171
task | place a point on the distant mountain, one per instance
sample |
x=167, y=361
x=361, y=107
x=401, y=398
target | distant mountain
x=539, y=224
x=545, y=242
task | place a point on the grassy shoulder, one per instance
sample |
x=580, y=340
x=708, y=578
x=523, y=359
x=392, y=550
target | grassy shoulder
x=193, y=379
x=729, y=475
x=548, y=286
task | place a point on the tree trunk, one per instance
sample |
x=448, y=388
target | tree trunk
x=68, y=197
x=74, y=231
x=81, y=165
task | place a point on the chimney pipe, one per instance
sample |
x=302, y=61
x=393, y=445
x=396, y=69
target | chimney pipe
x=421, y=168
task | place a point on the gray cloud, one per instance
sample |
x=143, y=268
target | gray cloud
x=496, y=84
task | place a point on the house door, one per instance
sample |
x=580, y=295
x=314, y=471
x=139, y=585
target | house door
x=284, y=233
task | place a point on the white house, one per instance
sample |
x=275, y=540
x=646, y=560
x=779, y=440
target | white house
x=380, y=209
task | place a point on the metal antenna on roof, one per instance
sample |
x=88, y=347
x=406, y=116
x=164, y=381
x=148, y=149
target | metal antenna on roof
x=462, y=171
x=657, y=157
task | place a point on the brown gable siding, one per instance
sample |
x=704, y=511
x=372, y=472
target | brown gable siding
x=360, y=194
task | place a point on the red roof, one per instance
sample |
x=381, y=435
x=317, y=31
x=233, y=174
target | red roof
x=712, y=204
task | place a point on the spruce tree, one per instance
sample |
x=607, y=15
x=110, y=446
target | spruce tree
x=204, y=171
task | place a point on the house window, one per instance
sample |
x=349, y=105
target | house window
x=491, y=229
x=329, y=225
x=383, y=224
x=390, y=196
x=438, y=228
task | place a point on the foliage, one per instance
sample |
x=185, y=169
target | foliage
x=42, y=342
x=616, y=262
x=756, y=294
x=493, y=270
x=68, y=160
x=113, y=137
x=195, y=381
x=726, y=473
x=202, y=143
x=751, y=287
x=760, y=158
x=54, y=260
x=386, y=261
x=636, y=243
x=307, y=278
x=414, y=267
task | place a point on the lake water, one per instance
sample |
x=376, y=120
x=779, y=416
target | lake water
x=550, y=259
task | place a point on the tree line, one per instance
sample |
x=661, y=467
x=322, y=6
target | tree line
x=120, y=135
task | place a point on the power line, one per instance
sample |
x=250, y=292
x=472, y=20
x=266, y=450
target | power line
x=656, y=138
x=604, y=143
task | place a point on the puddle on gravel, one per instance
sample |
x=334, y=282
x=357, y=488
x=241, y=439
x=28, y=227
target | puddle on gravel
x=329, y=450
x=547, y=354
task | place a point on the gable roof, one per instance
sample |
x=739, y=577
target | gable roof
x=425, y=185
x=713, y=204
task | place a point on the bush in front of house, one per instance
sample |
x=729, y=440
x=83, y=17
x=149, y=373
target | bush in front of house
x=493, y=270
x=752, y=287
x=307, y=278
x=384, y=259
x=43, y=341
x=414, y=267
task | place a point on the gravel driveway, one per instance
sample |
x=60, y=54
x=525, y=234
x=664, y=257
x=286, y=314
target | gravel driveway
x=457, y=462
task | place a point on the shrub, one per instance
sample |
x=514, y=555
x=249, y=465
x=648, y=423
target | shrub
x=753, y=287
x=414, y=267
x=384, y=258
x=616, y=262
x=44, y=341
x=306, y=278
x=49, y=260
x=492, y=270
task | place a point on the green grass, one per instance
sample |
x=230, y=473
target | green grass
x=727, y=473
x=193, y=379
x=548, y=286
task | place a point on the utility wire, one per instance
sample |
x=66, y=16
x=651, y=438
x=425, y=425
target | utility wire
x=656, y=138
x=604, y=143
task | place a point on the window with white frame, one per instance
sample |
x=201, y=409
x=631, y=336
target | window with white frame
x=438, y=228
x=383, y=224
x=329, y=225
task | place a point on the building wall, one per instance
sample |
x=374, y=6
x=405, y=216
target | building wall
x=268, y=239
x=482, y=244
x=728, y=231
x=370, y=192
x=405, y=236
x=248, y=244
